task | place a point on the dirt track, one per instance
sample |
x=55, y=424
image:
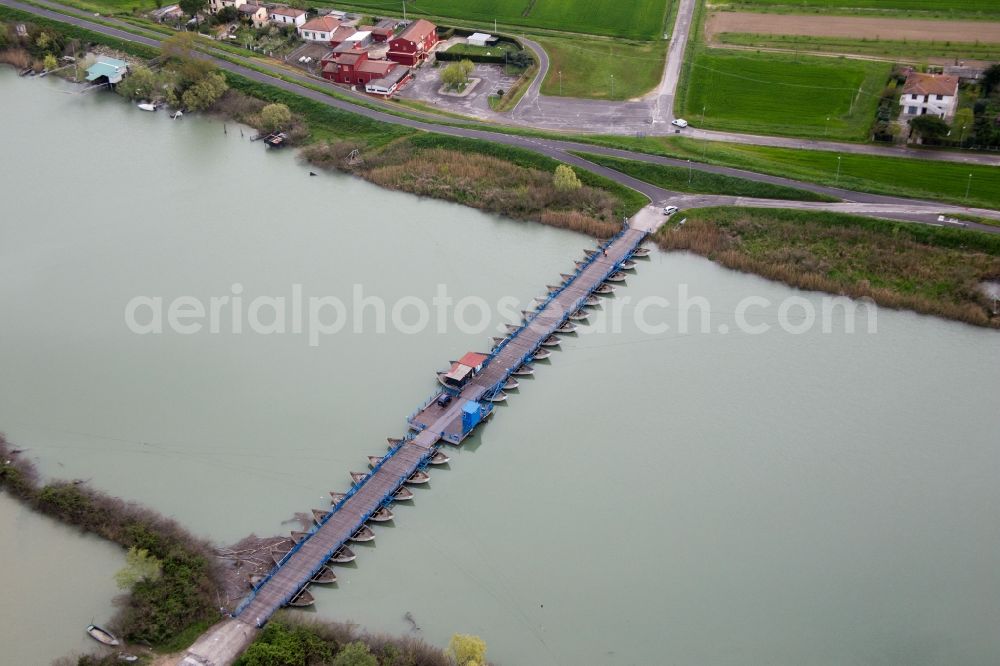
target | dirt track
x=852, y=27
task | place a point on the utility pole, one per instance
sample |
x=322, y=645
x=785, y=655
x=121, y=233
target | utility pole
x=689, y=172
x=826, y=127
x=404, y=10
x=612, y=86
x=838, y=170
x=494, y=26
x=968, y=187
x=703, y=107
x=560, y=83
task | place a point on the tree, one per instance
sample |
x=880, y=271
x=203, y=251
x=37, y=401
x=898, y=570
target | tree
x=929, y=127
x=192, y=7
x=467, y=650
x=991, y=79
x=206, y=92
x=452, y=76
x=227, y=15
x=355, y=654
x=466, y=66
x=139, y=565
x=139, y=84
x=274, y=117
x=49, y=62
x=565, y=179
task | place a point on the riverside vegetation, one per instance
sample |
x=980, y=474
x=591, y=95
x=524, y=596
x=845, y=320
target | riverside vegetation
x=931, y=270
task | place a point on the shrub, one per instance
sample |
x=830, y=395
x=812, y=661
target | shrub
x=565, y=179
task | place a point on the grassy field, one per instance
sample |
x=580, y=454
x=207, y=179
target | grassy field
x=767, y=93
x=680, y=179
x=923, y=179
x=634, y=19
x=880, y=47
x=587, y=66
x=898, y=265
x=971, y=7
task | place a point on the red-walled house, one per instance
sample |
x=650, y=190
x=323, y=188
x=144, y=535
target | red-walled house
x=340, y=34
x=383, y=30
x=411, y=46
x=355, y=68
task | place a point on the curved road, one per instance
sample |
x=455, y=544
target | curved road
x=898, y=208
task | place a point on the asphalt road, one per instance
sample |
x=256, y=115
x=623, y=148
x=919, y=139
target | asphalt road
x=892, y=207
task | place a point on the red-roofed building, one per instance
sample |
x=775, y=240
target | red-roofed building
x=383, y=30
x=412, y=46
x=929, y=94
x=319, y=29
x=340, y=34
x=354, y=67
x=463, y=370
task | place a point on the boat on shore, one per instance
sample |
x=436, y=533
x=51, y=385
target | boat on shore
x=419, y=476
x=146, y=106
x=363, y=534
x=439, y=458
x=343, y=555
x=302, y=599
x=325, y=576
x=102, y=636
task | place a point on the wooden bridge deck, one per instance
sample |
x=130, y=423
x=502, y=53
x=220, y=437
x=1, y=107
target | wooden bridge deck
x=305, y=560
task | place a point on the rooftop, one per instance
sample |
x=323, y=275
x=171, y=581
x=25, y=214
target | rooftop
x=930, y=84
x=417, y=30
x=287, y=11
x=321, y=24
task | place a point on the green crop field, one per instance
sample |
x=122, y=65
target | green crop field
x=587, y=66
x=986, y=7
x=766, y=93
x=634, y=19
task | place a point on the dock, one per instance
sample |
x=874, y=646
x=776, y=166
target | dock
x=447, y=417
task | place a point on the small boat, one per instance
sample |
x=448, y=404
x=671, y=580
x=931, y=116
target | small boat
x=566, y=327
x=551, y=341
x=382, y=515
x=176, y=114
x=617, y=276
x=394, y=441
x=604, y=288
x=343, y=555
x=126, y=657
x=319, y=515
x=592, y=301
x=525, y=370
x=146, y=106
x=363, y=534
x=566, y=277
x=419, y=476
x=579, y=315
x=590, y=253
x=325, y=575
x=374, y=460
x=541, y=354
x=357, y=477
x=439, y=458
x=497, y=340
x=336, y=497
x=298, y=537
x=302, y=599
x=499, y=397
x=403, y=494
x=553, y=288
x=102, y=635
x=628, y=265
x=641, y=252
x=511, y=384
x=513, y=328
x=312, y=173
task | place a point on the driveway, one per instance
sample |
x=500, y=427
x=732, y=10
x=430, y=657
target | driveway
x=427, y=81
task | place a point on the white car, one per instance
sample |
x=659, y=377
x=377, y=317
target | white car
x=669, y=210
x=679, y=122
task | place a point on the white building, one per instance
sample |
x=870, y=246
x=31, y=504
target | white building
x=287, y=16
x=933, y=94
x=215, y=6
x=319, y=29
x=478, y=39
